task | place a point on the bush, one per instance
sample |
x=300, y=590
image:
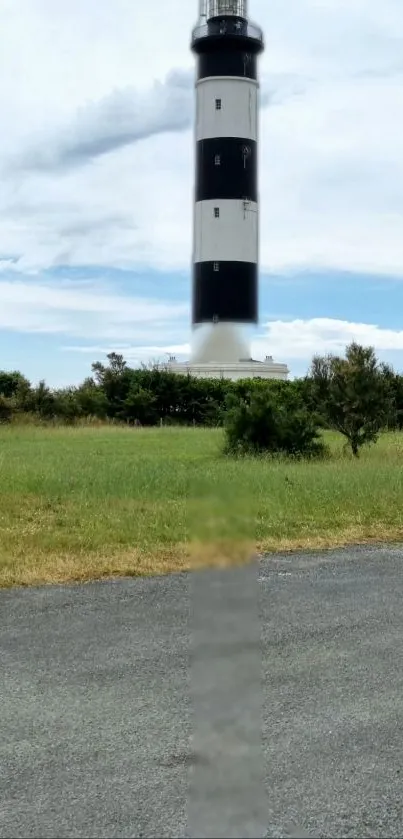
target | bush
x=11, y=383
x=6, y=409
x=260, y=423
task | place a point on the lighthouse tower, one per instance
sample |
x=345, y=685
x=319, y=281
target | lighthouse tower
x=226, y=199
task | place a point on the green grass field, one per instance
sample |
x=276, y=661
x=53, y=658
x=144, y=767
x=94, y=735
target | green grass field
x=78, y=504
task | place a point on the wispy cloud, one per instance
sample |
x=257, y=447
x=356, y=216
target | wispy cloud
x=84, y=312
x=119, y=119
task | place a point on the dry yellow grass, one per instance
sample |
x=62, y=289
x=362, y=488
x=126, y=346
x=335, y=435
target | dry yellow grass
x=82, y=504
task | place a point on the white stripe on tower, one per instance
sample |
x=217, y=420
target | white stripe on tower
x=238, y=116
x=232, y=236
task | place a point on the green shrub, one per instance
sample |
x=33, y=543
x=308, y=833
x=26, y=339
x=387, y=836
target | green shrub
x=6, y=409
x=259, y=423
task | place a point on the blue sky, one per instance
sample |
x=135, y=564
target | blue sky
x=96, y=168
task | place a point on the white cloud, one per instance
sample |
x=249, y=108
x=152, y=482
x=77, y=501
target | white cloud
x=301, y=339
x=101, y=78
x=82, y=311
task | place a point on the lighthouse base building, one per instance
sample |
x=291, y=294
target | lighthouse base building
x=226, y=197
x=235, y=371
x=225, y=354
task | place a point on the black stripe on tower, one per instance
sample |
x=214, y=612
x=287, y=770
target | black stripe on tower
x=228, y=62
x=226, y=167
x=225, y=291
x=227, y=46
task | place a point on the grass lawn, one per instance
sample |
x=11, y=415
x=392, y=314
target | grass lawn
x=78, y=504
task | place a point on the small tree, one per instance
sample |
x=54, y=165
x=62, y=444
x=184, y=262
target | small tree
x=114, y=381
x=355, y=393
x=43, y=401
x=259, y=422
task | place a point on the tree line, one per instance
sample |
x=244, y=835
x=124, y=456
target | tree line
x=355, y=394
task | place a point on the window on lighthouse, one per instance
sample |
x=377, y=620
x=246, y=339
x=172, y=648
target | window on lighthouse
x=216, y=266
x=217, y=160
x=216, y=212
x=218, y=104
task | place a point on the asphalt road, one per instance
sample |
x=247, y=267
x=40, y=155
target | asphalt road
x=133, y=707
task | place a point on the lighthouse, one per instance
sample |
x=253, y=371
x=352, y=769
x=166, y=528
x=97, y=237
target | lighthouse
x=226, y=211
x=225, y=261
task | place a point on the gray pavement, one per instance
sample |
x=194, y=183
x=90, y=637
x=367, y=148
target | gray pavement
x=119, y=711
